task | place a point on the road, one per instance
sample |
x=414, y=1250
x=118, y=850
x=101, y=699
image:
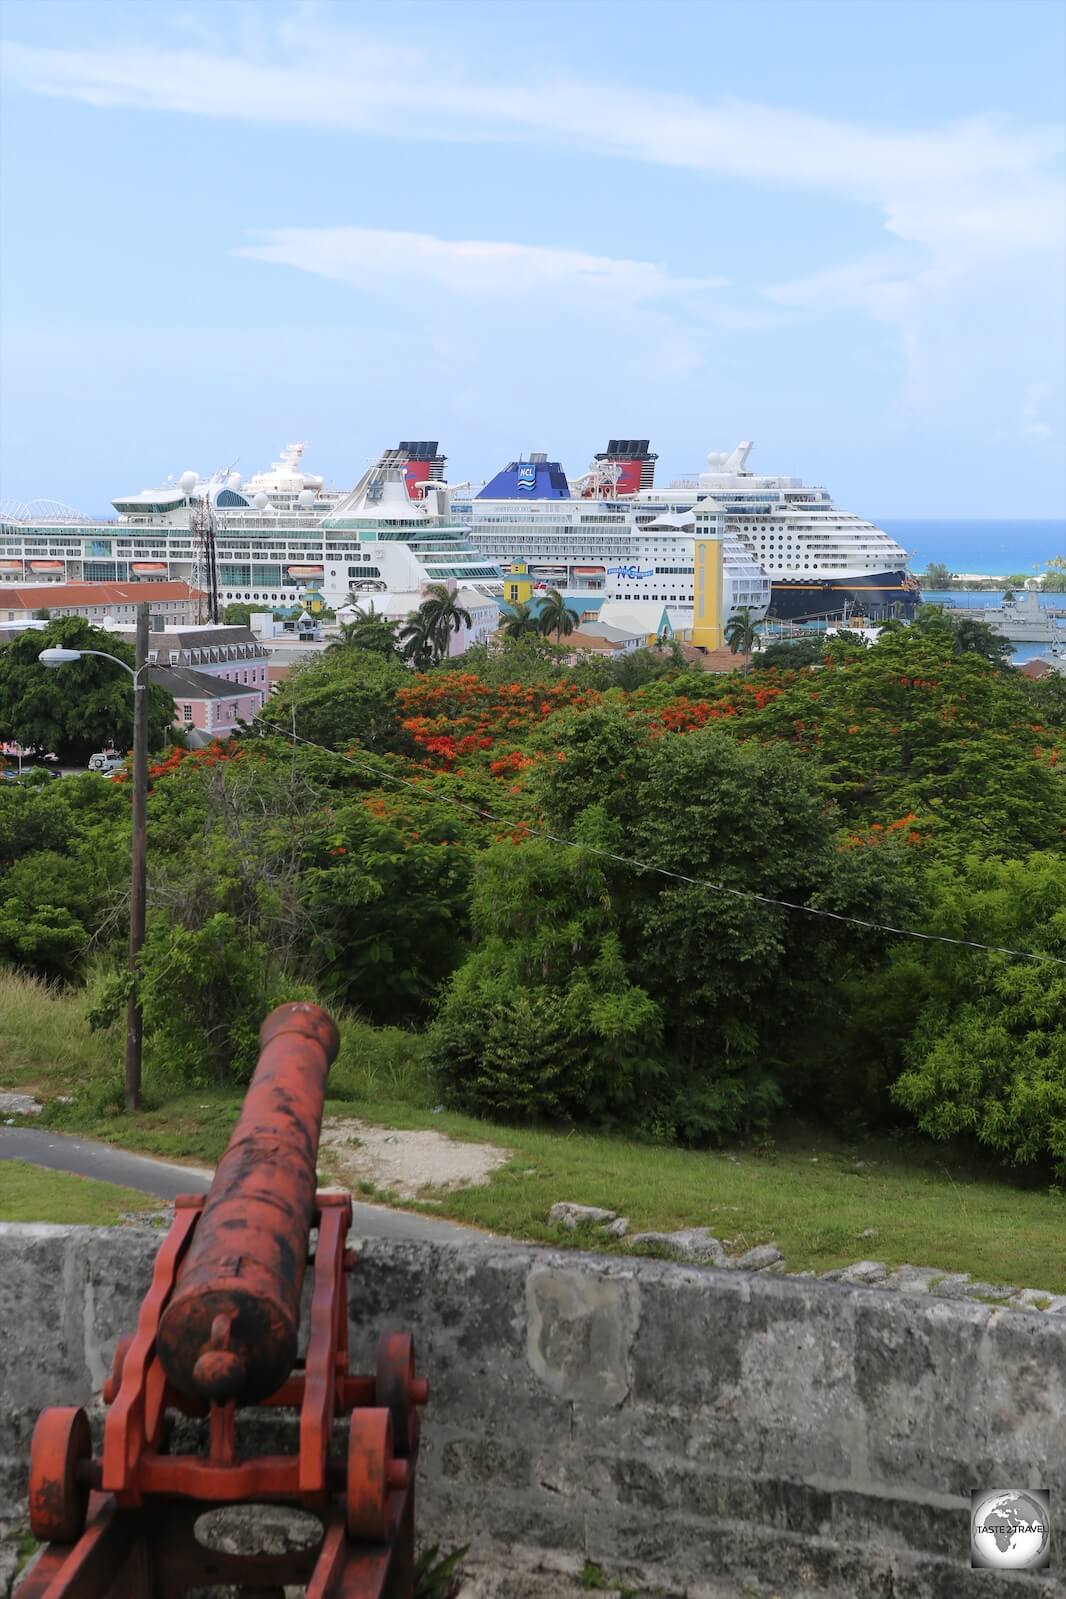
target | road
x=85, y=1157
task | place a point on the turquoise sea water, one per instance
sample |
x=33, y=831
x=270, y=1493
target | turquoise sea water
x=974, y=546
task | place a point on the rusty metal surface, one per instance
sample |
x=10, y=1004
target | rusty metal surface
x=218, y=1328
x=59, y=1499
x=230, y=1331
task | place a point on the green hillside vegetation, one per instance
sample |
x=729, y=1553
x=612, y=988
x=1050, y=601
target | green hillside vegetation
x=812, y=1192
x=562, y=901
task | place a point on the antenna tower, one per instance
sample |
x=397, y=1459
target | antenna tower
x=205, y=567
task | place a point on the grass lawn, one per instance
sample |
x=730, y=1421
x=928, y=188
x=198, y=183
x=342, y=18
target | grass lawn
x=809, y=1191
x=30, y=1193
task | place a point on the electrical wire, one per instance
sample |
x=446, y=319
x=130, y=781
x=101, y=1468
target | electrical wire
x=662, y=871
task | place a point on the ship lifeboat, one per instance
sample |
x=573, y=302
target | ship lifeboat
x=588, y=571
x=304, y=571
x=46, y=566
x=148, y=568
x=10, y=566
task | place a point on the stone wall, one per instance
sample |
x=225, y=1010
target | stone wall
x=707, y=1431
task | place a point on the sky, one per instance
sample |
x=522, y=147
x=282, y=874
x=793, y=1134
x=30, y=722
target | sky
x=835, y=229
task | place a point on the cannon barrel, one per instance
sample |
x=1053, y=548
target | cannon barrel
x=231, y=1328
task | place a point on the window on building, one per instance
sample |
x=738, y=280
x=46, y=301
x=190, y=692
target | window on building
x=186, y=713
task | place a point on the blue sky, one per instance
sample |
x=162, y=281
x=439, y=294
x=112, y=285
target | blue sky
x=835, y=229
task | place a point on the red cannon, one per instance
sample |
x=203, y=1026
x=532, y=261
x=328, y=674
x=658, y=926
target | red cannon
x=218, y=1333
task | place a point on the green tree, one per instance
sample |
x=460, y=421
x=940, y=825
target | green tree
x=968, y=635
x=529, y=658
x=64, y=863
x=791, y=654
x=442, y=616
x=82, y=707
x=239, y=614
x=741, y=634
x=519, y=621
x=345, y=696
x=541, y=1020
x=555, y=616
x=419, y=641
x=368, y=630
x=987, y=1057
x=744, y=988
x=938, y=576
x=1054, y=579
x=1047, y=695
x=912, y=728
x=640, y=667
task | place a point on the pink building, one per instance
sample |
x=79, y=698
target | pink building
x=219, y=650
x=227, y=666
x=207, y=706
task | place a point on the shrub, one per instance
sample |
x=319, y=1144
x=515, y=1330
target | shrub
x=987, y=1057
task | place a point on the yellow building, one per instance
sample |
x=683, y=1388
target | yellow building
x=708, y=609
x=517, y=585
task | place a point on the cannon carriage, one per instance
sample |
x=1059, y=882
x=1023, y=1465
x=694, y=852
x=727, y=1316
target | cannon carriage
x=219, y=1332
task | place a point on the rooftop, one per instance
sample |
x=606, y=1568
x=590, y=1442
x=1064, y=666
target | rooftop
x=185, y=683
x=31, y=597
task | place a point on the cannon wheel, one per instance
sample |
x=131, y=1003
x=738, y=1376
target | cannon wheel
x=366, y=1506
x=59, y=1503
x=395, y=1383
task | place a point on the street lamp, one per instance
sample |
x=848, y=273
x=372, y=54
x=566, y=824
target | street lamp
x=60, y=656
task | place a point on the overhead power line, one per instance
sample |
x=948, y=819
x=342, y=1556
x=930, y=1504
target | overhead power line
x=661, y=871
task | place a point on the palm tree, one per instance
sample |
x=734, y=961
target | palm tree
x=443, y=616
x=741, y=632
x=419, y=644
x=519, y=621
x=555, y=616
x=368, y=631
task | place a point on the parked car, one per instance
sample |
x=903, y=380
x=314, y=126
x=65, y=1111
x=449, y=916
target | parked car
x=11, y=774
x=106, y=761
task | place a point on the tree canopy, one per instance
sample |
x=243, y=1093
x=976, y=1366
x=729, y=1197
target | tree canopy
x=84, y=706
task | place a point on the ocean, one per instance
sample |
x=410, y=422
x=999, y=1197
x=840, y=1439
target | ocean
x=995, y=548
x=973, y=546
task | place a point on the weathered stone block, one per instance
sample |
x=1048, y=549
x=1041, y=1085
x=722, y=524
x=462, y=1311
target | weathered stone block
x=757, y=1259
x=693, y=1244
x=580, y=1332
x=570, y=1216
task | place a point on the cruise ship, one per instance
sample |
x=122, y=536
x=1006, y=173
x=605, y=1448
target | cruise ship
x=615, y=532
x=606, y=538
x=275, y=538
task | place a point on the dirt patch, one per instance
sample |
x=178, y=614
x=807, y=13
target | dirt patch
x=404, y=1163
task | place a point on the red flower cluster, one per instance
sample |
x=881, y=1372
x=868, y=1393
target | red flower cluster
x=455, y=715
x=215, y=753
x=903, y=829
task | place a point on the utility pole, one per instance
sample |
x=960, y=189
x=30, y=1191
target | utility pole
x=138, y=881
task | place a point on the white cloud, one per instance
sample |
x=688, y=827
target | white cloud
x=967, y=279
x=377, y=258
x=981, y=183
